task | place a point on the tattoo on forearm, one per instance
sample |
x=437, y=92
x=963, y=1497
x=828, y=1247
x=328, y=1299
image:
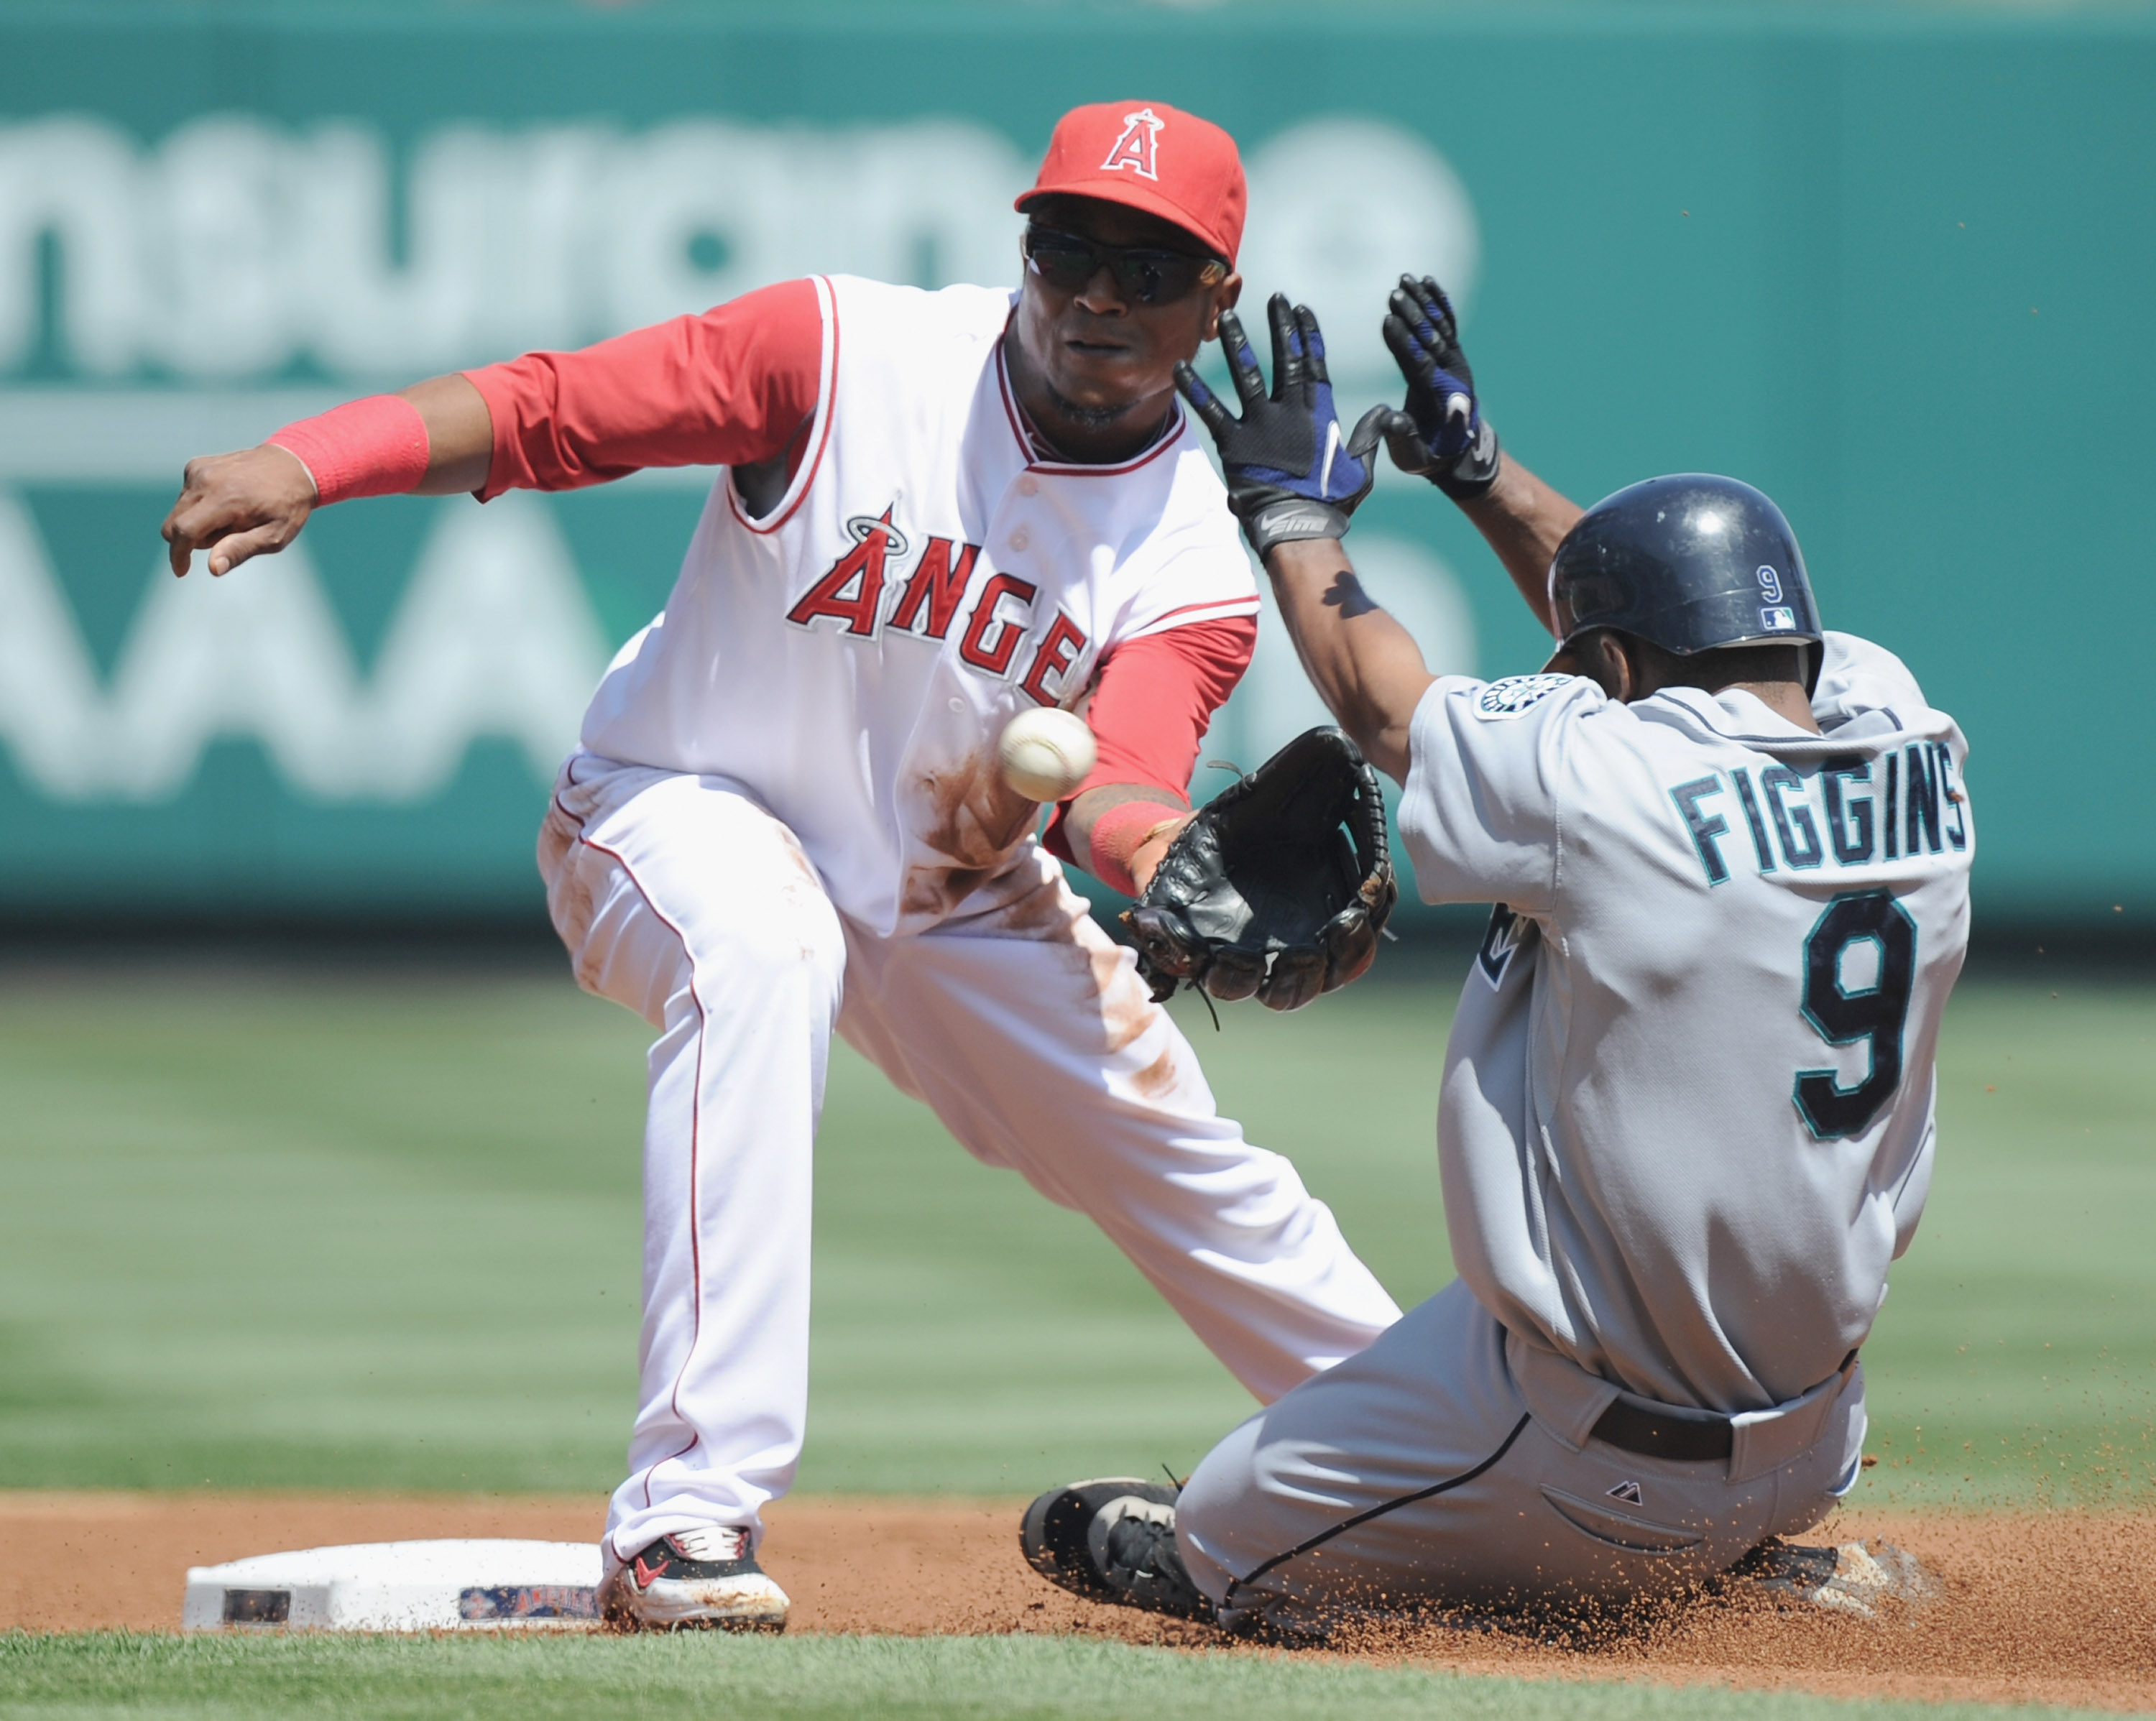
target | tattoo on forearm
x=1346, y=594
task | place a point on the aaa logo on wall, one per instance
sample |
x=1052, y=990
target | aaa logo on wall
x=494, y=636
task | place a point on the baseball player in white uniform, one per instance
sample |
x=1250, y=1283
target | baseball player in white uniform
x=786, y=817
x=1686, y=1117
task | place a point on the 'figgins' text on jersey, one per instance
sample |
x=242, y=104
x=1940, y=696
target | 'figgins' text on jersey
x=1687, y=1118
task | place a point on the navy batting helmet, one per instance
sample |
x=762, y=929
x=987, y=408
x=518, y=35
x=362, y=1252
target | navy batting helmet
x=1688, y=563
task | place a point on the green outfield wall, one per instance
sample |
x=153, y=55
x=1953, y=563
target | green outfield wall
x=1893, y=265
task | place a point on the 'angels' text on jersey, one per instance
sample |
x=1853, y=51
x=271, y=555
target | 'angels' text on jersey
x=851, y=657
x=927, y=600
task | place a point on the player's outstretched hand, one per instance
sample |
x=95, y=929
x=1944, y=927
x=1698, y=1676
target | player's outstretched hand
x=1442, y=436
x=1290, y=472
x=1278, y=886
x=240, y=505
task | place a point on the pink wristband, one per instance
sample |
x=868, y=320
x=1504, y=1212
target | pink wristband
x=1119, y=834
x=377, y=446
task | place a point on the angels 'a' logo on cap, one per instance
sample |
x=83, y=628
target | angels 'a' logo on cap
x=1137, y=145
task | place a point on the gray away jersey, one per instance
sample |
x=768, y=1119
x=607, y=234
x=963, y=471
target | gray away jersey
x=1686, y=1119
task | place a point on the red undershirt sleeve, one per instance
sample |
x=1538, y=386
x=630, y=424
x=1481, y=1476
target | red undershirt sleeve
x=730, y=387
x=1151, y=704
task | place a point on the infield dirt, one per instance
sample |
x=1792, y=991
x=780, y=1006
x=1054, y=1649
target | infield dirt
x=2059, y=1608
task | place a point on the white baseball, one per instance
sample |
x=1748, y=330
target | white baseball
x=1046, y=753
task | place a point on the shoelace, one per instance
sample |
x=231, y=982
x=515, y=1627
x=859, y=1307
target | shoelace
x=715, y=1543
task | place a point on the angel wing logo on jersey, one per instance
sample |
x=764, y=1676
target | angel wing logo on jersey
x=1136, y=147
x=1515, y=695
x=1501, y=943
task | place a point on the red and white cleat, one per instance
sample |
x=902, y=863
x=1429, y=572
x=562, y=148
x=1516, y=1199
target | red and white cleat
x=694, y=1578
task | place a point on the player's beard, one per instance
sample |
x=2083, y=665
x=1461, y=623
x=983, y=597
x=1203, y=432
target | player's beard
x=1091, y=417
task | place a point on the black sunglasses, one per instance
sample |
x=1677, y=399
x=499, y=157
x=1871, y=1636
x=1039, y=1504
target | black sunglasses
x=1068, y=261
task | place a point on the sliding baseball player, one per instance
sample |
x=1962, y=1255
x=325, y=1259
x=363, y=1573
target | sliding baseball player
x=1686, y=1122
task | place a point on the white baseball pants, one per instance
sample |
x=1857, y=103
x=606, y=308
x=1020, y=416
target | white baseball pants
x=1023, y=1026
x=1452, y=1462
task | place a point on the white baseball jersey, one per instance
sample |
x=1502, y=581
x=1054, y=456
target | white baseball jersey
x=851, y=658
x=1686, y=1119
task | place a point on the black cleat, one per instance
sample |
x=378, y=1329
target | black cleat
x=1112, y=1540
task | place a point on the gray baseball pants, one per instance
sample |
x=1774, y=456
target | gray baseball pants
x=1452, y=1463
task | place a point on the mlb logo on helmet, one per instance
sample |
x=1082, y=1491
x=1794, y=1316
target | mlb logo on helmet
x=1775, y=618
x=1146, y=155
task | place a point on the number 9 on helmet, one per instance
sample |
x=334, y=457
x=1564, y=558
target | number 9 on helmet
x=1690, y=563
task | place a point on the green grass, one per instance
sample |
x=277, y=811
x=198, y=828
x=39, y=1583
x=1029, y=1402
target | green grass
x=2015, y=1359
x=380, y=1230
x=77, y=1678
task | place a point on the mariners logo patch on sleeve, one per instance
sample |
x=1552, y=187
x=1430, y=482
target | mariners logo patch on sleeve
x=1515, y=695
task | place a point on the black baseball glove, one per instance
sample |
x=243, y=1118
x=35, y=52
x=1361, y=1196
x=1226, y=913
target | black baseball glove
x=1264, y=891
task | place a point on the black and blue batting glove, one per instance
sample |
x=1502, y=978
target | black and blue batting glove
x=1290, y=472
x=1442, y=436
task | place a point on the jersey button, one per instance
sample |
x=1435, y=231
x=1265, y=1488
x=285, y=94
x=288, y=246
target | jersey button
x=1021, y=538
x=1029, y=485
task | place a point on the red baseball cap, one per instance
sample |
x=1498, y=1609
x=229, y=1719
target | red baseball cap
x=1151, y=157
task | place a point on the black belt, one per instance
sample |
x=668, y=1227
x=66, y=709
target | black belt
x=1662, y=1431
